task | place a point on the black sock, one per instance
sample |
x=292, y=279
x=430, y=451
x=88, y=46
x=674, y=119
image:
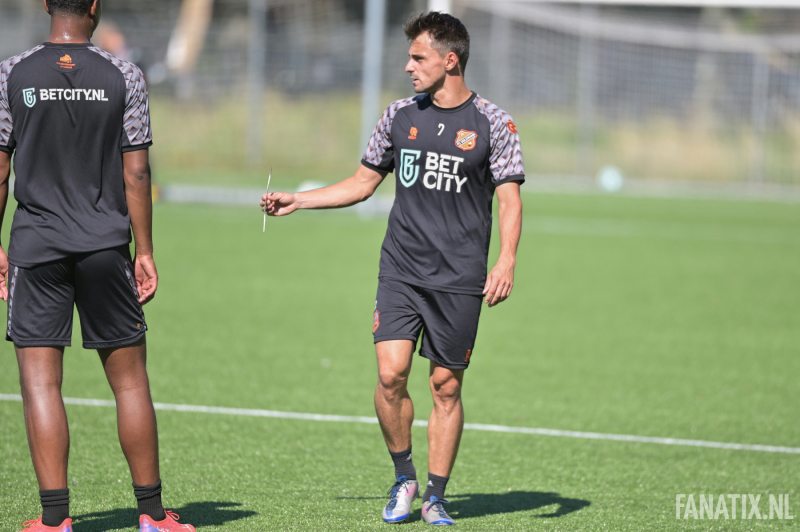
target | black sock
x=403, y=465
x=149, y=499
x=55, y=506
x=436, y=486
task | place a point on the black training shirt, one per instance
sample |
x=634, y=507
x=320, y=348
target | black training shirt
x=449, y=162
x=69, y=111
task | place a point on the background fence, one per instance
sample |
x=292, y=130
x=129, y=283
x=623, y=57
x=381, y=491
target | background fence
x=670, y=94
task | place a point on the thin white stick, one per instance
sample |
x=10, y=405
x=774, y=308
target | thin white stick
x=269, y=180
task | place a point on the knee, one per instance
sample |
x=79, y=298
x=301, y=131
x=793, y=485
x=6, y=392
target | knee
x=32, y=384
x=446, y=390
x=392, y=383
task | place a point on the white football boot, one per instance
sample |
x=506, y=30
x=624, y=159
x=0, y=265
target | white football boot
x=401, y=495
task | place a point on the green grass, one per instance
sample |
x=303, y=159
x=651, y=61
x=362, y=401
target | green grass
x=633, y=316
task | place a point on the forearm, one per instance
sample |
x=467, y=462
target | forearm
x=139, y=196
x=510, y=227
x=345, y=193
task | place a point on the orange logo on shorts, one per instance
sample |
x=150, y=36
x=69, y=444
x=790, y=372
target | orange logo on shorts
x=511, y=127
x=376, y=321
x=469, y=354
x=413, y=135
x=466, y=140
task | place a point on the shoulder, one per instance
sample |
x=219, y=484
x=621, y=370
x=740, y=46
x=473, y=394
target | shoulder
x=130, y=72
x=396, y=105
x=498, y=118
x=8, y=65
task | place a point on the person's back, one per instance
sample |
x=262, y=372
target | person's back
x=77, y=121
x=72, y=111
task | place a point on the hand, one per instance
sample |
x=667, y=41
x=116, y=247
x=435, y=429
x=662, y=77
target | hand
x=146, y=278
x=279, y=203
x=499, y=282
x=3, y=273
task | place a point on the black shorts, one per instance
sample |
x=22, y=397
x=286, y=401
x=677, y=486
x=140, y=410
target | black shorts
x=101, y=284
x=450, y=321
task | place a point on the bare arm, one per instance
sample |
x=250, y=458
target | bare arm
x=138, y=194
x=500, y=280
x=350, y=191
x=5, y=173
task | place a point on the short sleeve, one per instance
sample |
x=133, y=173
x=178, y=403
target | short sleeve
x=7, y=143
x=505, y=160
x=137, y=134
x=380, y=150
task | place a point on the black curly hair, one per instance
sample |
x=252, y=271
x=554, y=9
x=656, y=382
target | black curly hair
x=70, y=7
x=447, y=33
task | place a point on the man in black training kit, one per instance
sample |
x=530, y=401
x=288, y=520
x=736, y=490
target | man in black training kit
x=452, y=151
x=77, y=120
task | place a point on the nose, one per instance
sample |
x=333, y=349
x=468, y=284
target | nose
x=410, y=66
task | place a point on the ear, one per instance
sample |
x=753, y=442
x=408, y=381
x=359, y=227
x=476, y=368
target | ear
x=451, y=63
x=93, y=9
x=46, y=7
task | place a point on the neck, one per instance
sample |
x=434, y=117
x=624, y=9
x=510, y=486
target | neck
x=452, y=93
x=70, y=29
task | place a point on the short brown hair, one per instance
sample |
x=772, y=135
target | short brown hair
x=447, y=33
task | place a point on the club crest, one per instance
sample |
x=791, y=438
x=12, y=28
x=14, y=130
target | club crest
x=466, y=140
x=376, y=320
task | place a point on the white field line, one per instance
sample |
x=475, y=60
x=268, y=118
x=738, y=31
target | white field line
x=421, y=423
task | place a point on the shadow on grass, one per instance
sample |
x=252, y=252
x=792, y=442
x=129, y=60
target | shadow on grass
x=480, y=504
x=195, y=513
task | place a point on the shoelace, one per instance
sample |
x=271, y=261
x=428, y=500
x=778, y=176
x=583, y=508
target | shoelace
x=28, y=524
x=439, y=507
x=393, y=491
x=173, y=515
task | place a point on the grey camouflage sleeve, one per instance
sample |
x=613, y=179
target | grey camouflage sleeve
x=505, y=161
x=380, y=150
x=6, y=125
x=137, y=112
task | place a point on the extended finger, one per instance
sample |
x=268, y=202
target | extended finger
x=500, y=296
x=496, y=296
x=488, y=284
x=507, y=291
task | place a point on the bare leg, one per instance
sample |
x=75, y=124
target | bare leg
x=40, y=376
x=392, y=402
x=447, y=419
x=126, y=372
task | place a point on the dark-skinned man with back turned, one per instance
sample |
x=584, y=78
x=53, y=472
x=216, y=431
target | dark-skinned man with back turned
x=76, y=120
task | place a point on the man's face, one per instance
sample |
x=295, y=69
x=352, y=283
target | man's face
x=426, y=66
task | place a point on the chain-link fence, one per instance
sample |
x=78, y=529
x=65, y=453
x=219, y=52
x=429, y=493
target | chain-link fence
x=704, y=94
x=674, y=94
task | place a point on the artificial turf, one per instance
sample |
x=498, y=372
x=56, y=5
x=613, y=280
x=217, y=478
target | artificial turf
x=671, y=318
